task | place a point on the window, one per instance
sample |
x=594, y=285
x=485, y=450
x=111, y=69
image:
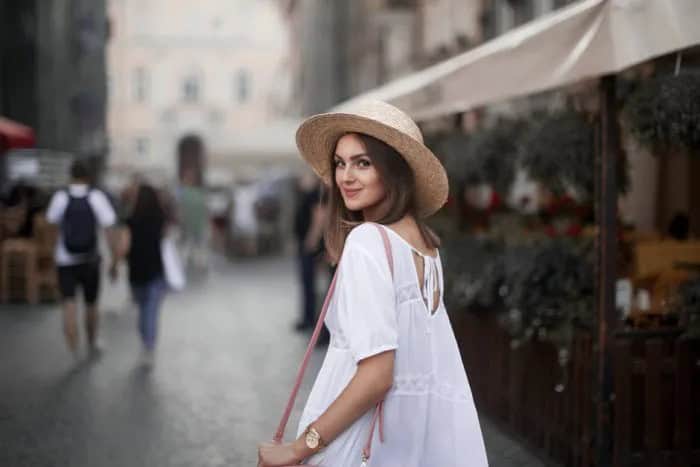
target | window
x=142, y=146
x=140, y=85
x=242, y=86
x=191, y=89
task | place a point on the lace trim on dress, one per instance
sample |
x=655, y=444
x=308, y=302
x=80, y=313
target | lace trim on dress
x=424, y=384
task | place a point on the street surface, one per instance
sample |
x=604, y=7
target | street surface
x=226, y=360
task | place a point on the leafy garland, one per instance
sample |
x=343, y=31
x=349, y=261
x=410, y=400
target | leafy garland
x=559, y=151
x=545, y=289
x=664, y=112
x=488, y=156
x=551, y=291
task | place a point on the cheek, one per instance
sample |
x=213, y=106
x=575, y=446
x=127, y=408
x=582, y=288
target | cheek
x=374, y=183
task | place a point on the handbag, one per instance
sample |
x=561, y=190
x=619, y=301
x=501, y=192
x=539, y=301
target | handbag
x=172, y=265
x=377, y=417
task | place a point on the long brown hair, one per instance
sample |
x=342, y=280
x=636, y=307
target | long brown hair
x=400, y=186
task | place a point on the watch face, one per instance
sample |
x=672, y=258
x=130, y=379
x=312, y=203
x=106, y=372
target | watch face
x=311, y=441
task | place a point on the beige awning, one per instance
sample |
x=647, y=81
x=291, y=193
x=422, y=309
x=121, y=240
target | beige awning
x=585, y=40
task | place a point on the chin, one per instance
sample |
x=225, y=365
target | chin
x=360, y=205
x=355, y=206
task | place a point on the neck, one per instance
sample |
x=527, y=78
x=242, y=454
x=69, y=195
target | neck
x=375, y=212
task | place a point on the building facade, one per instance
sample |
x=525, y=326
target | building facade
x=340, y=49
x=212, y=70
x=52, y=72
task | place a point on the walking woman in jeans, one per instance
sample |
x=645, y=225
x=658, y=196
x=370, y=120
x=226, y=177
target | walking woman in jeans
x=392, y=363
x=141, y=244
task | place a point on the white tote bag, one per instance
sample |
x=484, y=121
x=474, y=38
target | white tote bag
x=174, y=272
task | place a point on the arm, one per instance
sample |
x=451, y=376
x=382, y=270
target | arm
x=107, y=218
x=315, y=233
x=120, y=242
x=372, y=380
x=57, y=206
x=365, y=309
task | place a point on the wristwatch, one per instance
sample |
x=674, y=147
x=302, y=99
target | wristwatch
x=313, y=439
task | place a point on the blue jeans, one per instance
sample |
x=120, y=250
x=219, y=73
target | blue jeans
x=149, y=297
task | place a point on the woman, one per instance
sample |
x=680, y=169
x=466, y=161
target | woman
x=391, y=339
x=141, y=243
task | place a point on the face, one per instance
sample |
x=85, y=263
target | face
x=356, y=176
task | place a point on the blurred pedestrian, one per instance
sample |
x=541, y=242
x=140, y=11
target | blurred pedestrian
x=309, y=221
x=393, y=358
x=194, y=221
x=80, y=211
x=140, y=242
x=246, y=226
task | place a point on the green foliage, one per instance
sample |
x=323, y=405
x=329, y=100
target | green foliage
x=546, y=287
x=488, y=156
x=552, y=289
x=559, y=151
x=471, y=278
x=664, y=112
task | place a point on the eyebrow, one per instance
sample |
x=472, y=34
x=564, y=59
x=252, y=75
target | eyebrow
x=353, y=157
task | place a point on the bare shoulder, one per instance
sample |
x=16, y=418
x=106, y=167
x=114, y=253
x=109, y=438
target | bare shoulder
x=409, y=231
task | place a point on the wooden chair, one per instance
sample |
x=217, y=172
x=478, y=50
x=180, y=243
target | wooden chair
x=45, y=238
x=19, y=270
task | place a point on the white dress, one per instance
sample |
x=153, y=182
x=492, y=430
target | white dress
x=429, y=414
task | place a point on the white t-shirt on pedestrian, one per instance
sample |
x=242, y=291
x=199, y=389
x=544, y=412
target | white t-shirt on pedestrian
x=429, y=415
x=104, y=213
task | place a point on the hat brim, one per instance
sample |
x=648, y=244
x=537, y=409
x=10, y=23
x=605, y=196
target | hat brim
x=317, y=137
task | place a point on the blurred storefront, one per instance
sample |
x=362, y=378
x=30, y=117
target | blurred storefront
x=53, y=91
x=52, y=74
x=579, y=282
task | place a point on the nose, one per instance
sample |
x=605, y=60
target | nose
x=347, y=175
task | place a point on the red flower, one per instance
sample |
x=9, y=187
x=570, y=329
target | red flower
x=574, y=230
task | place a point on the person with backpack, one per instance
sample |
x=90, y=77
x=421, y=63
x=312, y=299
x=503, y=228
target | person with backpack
x=80, y=211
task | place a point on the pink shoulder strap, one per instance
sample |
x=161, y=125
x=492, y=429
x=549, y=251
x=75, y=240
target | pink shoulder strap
x=378, y=412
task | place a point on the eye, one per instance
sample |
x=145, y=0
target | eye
x=364, y=163
x=338, y=163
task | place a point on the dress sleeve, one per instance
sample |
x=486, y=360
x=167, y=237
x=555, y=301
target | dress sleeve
x=365, y=303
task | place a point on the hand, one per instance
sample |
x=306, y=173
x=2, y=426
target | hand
x=310, y=246
x=273, y=454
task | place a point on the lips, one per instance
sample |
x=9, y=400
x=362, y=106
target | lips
x=349, y=194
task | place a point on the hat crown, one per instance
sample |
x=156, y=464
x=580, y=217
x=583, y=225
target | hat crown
x=388, y=115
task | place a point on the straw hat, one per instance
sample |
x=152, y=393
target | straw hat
x=318, y=135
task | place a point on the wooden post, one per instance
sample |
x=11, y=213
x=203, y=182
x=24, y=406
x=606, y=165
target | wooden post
x=606, y=204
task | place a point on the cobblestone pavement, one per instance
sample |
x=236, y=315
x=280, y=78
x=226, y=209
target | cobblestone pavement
x=226, y=359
